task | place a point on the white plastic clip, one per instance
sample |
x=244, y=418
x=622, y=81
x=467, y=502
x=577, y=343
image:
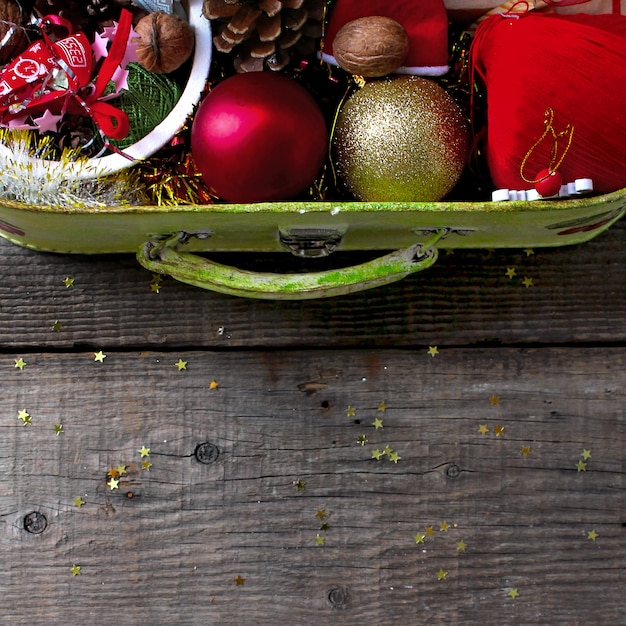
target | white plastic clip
x=579, y=187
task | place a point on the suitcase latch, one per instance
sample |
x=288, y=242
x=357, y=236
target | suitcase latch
x=310, y=242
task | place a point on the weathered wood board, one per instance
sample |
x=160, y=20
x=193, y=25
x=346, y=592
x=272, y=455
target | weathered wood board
x=284, y=459
x=578, y=294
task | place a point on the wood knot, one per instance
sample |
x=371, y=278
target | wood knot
x=453, y=470
x=35, y=522
x=338, y=597
x=206, y=453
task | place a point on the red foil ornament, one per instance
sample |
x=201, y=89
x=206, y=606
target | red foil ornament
x=258, y=137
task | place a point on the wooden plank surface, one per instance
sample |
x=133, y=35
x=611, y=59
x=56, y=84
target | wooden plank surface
x=167, y=545
x=577, y=295
x=545, y=362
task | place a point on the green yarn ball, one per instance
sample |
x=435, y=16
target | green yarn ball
x=149, y=100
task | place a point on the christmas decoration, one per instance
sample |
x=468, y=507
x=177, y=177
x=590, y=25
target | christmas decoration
x=400, y=139
x=52, y=77
x=371, y=46
x=13, y=34
x=40, y=181
x=265, y=34
x=557, y=113
x=147, y=102
x=165, y=42
x=426, y=24
x=258, y=137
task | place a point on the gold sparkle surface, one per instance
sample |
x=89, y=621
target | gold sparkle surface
x=400, y=139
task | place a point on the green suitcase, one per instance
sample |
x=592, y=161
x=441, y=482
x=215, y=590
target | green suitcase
x=164, y=238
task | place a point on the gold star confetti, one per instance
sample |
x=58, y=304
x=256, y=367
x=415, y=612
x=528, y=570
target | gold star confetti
x=494, y=400
x=155, y=284
x=433, y=351
x=319, y=539
x=361, y=440
x=239, y=581
x=300, y=485
x=527, y=282
x=113, y=473
x=213, y=384
x=58, y=429
x=529, y=251
x=75, y=570
x=24, y=415
x=581, y=466
x=510, y=272
x=20, y=363
x=388, y=450
x=78, y=502
x=68, y=281
x=525, y=450
x=586, y=454
x=482, y=429
x=419, y=537
x=181, y=365
x=394, y=457
x=444, y=527
x=461, y=546
x=442, y=574
x=382, y=407
x=324, y=526
x=377, y=423
x=56, y=326
x=430, y=531
x=99, y=356
x=377, y=454
x=143, y=451
x=513, y=593
x=121, y=469
x=498, y=430
x=592, y=534
x=113, y=483
x=146, y=465
x=320, y=513
x=350, y=411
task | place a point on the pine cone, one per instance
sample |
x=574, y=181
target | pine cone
x=265, y=33
x=78, y=133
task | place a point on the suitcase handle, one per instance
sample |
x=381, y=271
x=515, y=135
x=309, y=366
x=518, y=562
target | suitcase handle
x=164, y=257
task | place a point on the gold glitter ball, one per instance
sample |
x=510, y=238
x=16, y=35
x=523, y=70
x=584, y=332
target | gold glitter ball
x=401, y=139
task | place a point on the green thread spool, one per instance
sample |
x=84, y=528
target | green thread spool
x=148, y=101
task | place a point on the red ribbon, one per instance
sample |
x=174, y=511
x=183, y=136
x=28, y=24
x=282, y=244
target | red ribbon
x=112, y=122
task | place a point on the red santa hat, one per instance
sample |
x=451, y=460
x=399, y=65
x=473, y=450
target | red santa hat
x=425, y=21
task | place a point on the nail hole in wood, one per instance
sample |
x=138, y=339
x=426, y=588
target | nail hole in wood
x=325, y=405
x=338, y=597
x=206, y=453
x=35, y=522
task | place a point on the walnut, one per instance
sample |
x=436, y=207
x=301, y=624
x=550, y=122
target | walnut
x=371, y=46
x=166, y=41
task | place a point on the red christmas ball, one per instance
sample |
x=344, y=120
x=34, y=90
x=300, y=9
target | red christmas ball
x=548, y=183
x=258, y=137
